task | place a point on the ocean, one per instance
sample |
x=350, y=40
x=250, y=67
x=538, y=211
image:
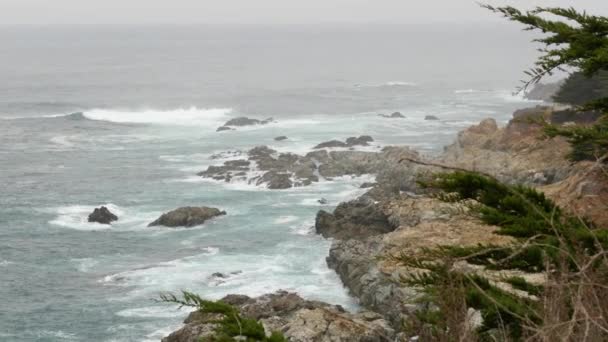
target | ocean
x=126, y=116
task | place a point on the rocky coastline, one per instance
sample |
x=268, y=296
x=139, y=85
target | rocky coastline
x=395, y=216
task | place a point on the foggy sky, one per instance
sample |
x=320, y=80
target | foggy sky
x=262, y=12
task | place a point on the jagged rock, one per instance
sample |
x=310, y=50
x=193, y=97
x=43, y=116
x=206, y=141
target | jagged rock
x=187, y=217
x=367, y=185
x=298, y=319
x=280, y=138
x=304, y=170
x=395, y=115
x=358, y=219
x=431, y=117
x=276, y=180
x=102, y=215
x=363, y=140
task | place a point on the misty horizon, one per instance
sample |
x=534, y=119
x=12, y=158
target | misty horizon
x=265, y=12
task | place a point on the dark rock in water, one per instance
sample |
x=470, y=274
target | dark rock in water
x=363, y=140
x=367, y=185
x=322, y=201
x=102, y=215
x=187, y=217
x=224, y=128
x=76, y=116
x=331, y=143
x=242, y=121
x=358, y=219
x=276, y=180
x=395, y=115
x=219, y=275
x=245, y=121
x=298, y=319
x=281, y=138
x=431, y=117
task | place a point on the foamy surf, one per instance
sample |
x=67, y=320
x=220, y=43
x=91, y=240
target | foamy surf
x=191, y=116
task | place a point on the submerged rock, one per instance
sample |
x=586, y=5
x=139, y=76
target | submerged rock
x=280, y=138
x=187, y=217
x=431, y=117
x=298, y=319
x=102, y=215
x=245, y=121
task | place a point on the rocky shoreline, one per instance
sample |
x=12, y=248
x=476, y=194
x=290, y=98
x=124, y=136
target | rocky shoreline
x=395, y=216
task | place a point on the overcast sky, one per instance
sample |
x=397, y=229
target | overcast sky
x=267, y=12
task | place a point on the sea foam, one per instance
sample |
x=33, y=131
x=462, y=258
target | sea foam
x=188, y=116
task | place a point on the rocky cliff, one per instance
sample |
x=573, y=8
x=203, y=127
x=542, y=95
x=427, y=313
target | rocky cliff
x=395, y=217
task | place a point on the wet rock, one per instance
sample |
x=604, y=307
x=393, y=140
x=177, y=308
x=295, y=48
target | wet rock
x=367, y=185
x=298, y=319
x=363, y=140
x=245, y=121
x=280, y=138
x=330, y=144
x=431, y=117
x=276, y=180
x=187, y=217
x=102, y=215
x=358, y=219
x=322, y=201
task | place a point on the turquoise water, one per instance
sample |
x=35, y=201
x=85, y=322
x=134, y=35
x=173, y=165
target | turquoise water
x=151, y=101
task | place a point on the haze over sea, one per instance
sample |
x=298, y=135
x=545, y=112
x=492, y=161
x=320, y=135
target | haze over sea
x=151, y=99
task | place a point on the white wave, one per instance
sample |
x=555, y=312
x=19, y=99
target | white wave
x=285, y=219
x=85, y=264
x=190, y=116
x=470, y=91
x=401, y=83
x=305, y=228
x=76, y=217
x=62, y=140
x=5, y=263
x=154, y=312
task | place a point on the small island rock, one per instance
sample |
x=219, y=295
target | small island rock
x=102, y=215
x=187, y=217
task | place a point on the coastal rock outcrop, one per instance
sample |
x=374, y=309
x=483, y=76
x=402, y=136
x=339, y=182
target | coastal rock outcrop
x=298, y=319
x=280, y=138
x=243, y=121
x=187, y=217
x=358, y=219
x=266, y=166
x=102, y=215
x=362, y=140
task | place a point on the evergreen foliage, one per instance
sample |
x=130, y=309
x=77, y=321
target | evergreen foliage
x=231, y=326
x=547, y=240
x=579, y=41
x=581, y=90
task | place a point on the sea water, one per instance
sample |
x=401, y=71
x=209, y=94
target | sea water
x=125, y=117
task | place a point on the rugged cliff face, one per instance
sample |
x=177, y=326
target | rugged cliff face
x=395, y=217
